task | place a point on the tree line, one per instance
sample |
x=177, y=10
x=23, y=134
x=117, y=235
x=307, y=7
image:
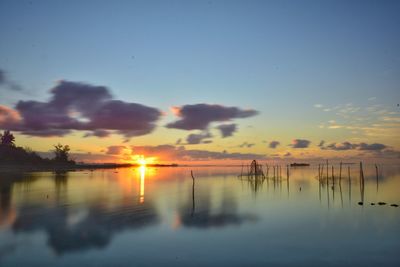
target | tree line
x=12, y=154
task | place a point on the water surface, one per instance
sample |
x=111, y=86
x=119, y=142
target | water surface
x=154, y=217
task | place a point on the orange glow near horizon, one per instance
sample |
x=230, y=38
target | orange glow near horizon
x=143, y=161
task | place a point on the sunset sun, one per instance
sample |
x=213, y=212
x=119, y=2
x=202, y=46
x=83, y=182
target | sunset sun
x=142, y=161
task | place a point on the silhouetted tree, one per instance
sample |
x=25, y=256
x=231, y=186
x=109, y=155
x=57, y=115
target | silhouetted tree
x=7, y=138
x=61, y=152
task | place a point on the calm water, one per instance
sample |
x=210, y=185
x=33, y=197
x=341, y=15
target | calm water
x=150, y=217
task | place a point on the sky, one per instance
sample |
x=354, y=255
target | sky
x=200, y=81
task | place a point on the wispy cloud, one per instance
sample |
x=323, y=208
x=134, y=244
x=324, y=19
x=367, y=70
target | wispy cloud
x=245, y=144
x=6, y=83
x=201, y=138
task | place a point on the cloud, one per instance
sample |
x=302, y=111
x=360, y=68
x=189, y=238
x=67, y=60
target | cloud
x=199, y=116
x=350, y=146
x=7, y=83
x=9, y=118
x=98, y=133
x=2, y=77
x=194, y=139
x=79, y=106
x=274, y=144
x=373, y=147
x=318, y=106
x=227, y=129
x=174, y=153
x=342, y=146
x=115, y=150
x=245, y=144
x=300, y=143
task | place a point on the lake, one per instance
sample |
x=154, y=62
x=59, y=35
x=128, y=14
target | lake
x=148, y=216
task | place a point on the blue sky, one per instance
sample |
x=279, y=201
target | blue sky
x=278, y=57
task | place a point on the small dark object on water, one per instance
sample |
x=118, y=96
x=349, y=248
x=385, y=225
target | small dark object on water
x=372, y=203
x=382, y=203
x=394, y=205
x=300, y=188
x=47, y=196
x=299, y=164
x=360, y=203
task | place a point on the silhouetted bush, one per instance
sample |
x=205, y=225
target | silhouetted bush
x=13, y=155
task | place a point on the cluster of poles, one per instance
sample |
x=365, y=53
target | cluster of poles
x=327, y=174
x=255, y=174
x=324, y=170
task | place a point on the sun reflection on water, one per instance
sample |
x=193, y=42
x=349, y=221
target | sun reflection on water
x=142, y=171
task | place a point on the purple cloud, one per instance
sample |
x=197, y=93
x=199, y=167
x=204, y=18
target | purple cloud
x=227, y=129
x=361, y=146
x=342, y=146
x=245, y=144
x=300, y=143
x=79, y=106
x=199, y=116
x=194, y=139
x=274, y=144
x=115, y=150
x=372, y=147
x=98, y=133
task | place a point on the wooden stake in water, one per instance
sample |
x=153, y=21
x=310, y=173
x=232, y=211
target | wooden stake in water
x=287, y=172
x=193, y=203
x=322, y=171
x=340, y=172
x=327, y=170
x=361, y=182
x=319, y=171
x=377, y=177
x=348, y=172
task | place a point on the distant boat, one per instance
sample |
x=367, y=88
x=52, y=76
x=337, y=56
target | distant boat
x=299, y=165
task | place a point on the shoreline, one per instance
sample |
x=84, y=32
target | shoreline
x=74, y=167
